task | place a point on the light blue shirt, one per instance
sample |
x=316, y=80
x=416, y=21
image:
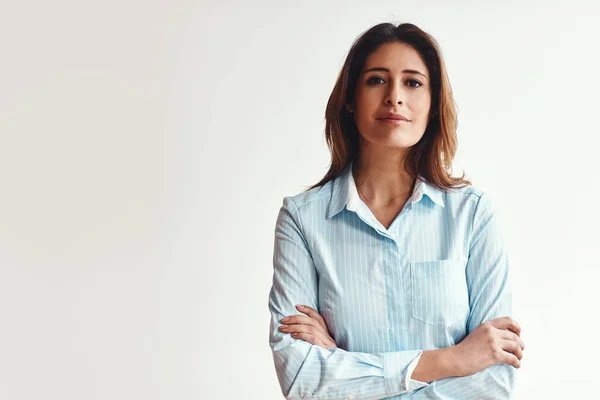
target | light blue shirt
x=426, y=282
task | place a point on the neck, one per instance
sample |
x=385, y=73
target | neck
x=382, y=181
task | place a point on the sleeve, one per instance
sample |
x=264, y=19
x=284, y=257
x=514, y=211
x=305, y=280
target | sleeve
x=307, y=371
x=490, y=294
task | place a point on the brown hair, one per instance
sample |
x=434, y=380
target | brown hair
x=432, y=156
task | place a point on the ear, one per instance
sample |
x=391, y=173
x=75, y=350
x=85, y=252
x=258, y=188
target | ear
x=349, y=108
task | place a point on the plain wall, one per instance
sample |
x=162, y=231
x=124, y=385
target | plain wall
x=146, y=147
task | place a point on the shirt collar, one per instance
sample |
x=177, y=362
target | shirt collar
x=345, y=193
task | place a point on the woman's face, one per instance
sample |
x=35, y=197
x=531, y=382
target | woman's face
x=394, y=80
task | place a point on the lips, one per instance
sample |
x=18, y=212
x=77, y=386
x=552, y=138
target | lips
x=393, y=117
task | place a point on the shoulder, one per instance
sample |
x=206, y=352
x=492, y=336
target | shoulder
x=468, y=193
x=472, y=196
x=301, y=210
x=311, y=200
x=471, y=202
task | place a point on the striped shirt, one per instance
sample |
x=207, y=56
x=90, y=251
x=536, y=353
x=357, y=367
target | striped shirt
x=426, y=282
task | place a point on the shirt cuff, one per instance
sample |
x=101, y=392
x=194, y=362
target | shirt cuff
x=397, y=370
x=409, y=383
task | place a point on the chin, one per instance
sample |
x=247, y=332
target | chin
x=396, y=139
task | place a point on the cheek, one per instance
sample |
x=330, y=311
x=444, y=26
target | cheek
x=365, y=108
x=423, y=106
x=366, y=101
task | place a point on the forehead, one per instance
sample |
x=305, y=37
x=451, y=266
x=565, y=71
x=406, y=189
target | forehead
x=396, y=56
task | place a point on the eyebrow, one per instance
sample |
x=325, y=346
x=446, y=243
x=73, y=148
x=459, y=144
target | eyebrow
x=409, y=71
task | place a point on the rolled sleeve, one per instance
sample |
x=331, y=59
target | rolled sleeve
x=398, y=368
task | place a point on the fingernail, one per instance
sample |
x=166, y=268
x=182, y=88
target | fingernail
x=299, y=306
x=294, y=334
x=286, y=319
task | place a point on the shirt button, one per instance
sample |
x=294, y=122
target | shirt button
x=349, y=397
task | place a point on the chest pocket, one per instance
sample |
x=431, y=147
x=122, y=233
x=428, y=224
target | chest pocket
x=440, y=295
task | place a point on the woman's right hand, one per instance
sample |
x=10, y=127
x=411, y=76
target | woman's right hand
x=492, y=342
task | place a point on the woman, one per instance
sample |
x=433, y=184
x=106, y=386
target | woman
x=400, y=267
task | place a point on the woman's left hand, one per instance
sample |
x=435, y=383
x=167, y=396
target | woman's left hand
x=311, y=328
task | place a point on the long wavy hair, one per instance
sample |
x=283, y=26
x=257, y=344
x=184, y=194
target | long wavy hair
x=432, y=156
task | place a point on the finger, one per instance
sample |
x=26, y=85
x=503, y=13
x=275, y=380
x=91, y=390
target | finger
x=294, y=329
x=302, y=320
x=312, y=313
x=303, y=329
x=512, y=347
x=513, y=336
x=506, y=323
x=511, y=359
x=307, y=337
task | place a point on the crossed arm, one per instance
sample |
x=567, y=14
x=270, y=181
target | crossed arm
x=308, y=371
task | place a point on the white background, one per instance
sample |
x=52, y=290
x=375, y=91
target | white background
x=146, y=147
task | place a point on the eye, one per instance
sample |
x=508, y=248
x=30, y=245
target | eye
x=373, y=80
x=413, y=82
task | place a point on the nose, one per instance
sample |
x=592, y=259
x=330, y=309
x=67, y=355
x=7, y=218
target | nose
x=395, y=94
